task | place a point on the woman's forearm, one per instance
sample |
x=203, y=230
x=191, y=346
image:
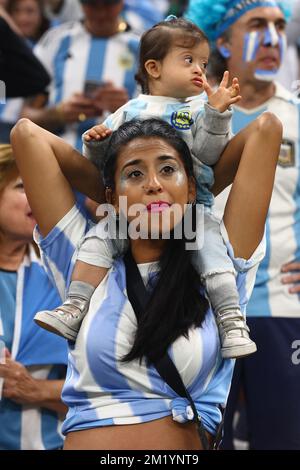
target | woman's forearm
x=225, y=169
x=248, y=202
x=49, y=395
x=80, y=172
x=46, y=164
x=48, y=191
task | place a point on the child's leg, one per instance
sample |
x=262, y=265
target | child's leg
x=85, y=279
x=94, y=258
x=218, y=274
x=88, y=273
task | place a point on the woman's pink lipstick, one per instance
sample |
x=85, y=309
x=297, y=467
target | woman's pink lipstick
x=157, y=206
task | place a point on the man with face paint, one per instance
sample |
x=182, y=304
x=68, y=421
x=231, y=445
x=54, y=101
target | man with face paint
x=249, y=40
x=268, y=36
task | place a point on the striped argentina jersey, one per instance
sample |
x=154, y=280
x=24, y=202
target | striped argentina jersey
x=9, y=114
x=28, y=427
x=270, y=297
x=100, y=390
x=72, y=56
x=141, y=14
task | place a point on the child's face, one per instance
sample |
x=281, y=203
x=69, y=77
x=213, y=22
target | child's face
x=182, y=71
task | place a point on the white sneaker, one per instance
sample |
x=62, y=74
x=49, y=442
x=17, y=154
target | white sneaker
x=234, y=335
x=66, y=319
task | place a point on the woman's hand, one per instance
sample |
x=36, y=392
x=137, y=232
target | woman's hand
x=293, y=279
x=18, y=386
x=99, y=132
x=77, y=108
x=110, y=98
x=225, y=95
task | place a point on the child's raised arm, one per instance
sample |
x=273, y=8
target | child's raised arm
x=225, y=95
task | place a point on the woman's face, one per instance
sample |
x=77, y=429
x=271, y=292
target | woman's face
x=16, y=220
x=27, y=16
x=151, y=174
x=257, y=44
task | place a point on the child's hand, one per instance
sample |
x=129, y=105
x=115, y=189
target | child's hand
x=99, y=132
x=224, y=96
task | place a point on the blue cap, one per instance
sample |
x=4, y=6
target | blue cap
x=214, y=18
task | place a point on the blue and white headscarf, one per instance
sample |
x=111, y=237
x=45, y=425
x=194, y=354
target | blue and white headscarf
x=216, y=17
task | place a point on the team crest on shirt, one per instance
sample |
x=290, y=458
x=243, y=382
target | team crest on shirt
x=126, y=60
x=287, y=154
x=182, y=120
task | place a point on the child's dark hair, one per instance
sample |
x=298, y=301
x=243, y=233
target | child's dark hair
x=176, y=304
x=157, y=42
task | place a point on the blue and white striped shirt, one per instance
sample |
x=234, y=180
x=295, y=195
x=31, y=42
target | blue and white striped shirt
x=42, y=353
x=100, y=390
x=72, y=56
x=9, y=115
x=142, y=14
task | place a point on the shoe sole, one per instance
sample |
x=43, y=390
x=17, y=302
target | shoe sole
x=238, y=351
x=54, y=326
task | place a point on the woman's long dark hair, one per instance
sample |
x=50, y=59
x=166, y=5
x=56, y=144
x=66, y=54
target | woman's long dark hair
x=176, y=303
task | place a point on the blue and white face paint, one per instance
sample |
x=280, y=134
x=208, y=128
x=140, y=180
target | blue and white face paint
x=224, y=52
x=269, y=37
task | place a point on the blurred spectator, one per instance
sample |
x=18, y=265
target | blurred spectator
x=29, y=17
x=92, y=65
x=162, y=6
x=177, y=7
x=142, y=14
x=34, y=371
x=21, y=71
x=61, y=11
x=289, y=72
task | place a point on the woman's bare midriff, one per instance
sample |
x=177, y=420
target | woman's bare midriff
x=164, y=433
